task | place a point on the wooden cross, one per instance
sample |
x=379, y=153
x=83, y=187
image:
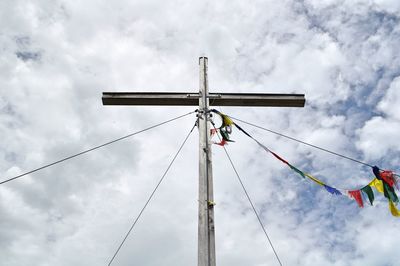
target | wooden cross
x=204, y=99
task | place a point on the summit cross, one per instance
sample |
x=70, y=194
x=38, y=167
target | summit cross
x=206, y=226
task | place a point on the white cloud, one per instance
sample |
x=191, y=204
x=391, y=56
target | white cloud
x=57, y=57
x=389, y=104
x=379, y=134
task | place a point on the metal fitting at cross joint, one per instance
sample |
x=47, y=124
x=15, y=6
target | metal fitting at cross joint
x=201, y=114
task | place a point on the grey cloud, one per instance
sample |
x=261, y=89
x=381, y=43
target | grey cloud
x=26, y=56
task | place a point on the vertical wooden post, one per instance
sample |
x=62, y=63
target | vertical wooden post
x=206, y=228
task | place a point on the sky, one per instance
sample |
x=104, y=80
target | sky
x=56, y=59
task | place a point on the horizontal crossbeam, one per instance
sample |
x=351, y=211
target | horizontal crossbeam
x=192, y=99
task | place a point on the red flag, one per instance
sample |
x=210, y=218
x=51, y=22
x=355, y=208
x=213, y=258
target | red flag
x=356, y=195
x=222, y=143
x=388, y=177
x=279, y=158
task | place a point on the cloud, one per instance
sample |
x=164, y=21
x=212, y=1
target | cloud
x=57, y=57
x=380, y=132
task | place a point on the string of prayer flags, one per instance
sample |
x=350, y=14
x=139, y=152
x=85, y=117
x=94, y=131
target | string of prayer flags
x=384, y=182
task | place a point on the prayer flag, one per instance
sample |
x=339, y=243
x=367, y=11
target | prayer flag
x=389, y=192
x=370, y=194
x=393, y=209
x=222, y=143
x=297, y=170
x=377, y=184
x=388, y=177
x=278, y=157
x=241, y=129
x=356, y=195
x=377, y=172
x=226, y=120
x=314, y=179
x=213, y=131
x=332, y=190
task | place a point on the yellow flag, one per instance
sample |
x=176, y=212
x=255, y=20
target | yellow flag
x=314, y=179
x=393, y=209
x=377, y=184
x=226, y=120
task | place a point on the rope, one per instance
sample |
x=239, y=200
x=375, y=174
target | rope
x=305, y=143
x=150, y=197
x=250, y=201
x=94, y=148
x=252, y=206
